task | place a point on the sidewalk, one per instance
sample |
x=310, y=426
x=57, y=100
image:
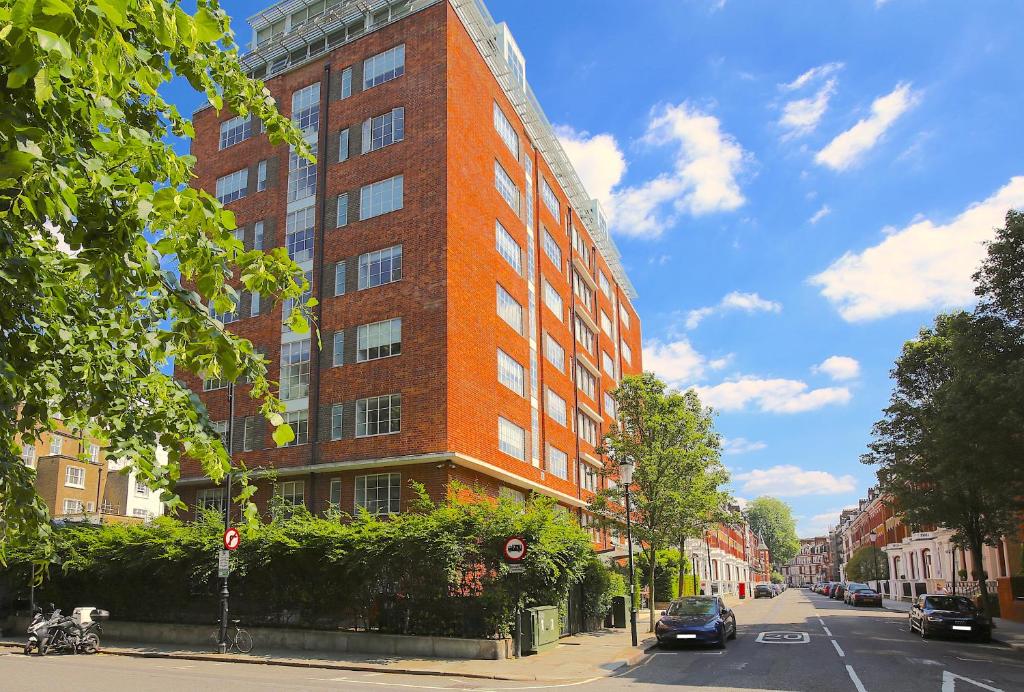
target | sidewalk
x=581, y=657
x=1006, y=631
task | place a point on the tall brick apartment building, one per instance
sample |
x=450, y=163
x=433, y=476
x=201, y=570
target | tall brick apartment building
x=473, y=309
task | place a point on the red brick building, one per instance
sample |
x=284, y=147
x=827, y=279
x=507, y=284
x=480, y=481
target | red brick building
x=472, y=306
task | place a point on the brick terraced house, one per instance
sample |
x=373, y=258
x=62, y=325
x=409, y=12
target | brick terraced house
x=473, y=309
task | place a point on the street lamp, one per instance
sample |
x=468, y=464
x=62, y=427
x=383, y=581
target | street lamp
x=874, y=554
x=626, y=477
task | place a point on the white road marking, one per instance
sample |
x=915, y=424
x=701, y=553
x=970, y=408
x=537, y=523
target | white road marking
x=838, y=650
x=856, y=681
x=949, y=682
x=827, y=631
x=821, y=621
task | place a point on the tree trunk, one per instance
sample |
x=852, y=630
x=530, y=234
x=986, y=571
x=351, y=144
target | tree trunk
x=650, y=600
x=682, y=565
x=979, y=563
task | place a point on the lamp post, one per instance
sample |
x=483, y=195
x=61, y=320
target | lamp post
x=874, y=555
x=222, y=640
x=626, y=477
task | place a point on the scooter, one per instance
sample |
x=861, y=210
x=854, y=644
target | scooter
x=38, y=631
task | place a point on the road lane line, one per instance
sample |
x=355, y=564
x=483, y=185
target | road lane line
x=856, y=681
x=822, y=622
x=827, y=631
x=838, y=650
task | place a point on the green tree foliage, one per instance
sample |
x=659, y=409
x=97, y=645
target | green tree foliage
x=772, y=519
x=867, y=563
x=999, y=283
x=89, y=312
x=777, y=578
x=436, y=570
x=669, y=437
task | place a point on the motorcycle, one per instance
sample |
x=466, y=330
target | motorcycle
x=38, y=630
x=77, y=634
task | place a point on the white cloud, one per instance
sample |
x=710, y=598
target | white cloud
x=820, y=214
x=812, y=75
x=771, y=395
x=847, y=147
x=922, y=266
x=598, y=160
x=787, y=480
x=741, y=445
x=678, y=362
x=839, y=367
x=801, y=116
x=747, y=302
x=818, y=525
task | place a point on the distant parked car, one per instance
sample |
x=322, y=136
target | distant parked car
x=934, y=614
x=838, y=591
x=852, y=587
x=764, y=591
x=777, y=589
x=865, y=597
x=696, y=619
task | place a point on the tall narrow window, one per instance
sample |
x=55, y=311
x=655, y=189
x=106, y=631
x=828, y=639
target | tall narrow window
x=553, y=300
x=382, y=130
x=56, y=443
x=607, y=364
x=586, y=427
x=379, y=340
x=552, y=249
x=584, y=335
x=295, y=370
x=624, y=315
x=339, y=278
x=232, y=186
x=554, y=352
x=606, y=286
x=606, y=323
x=379, y=415
x=384, y=67
x=506, y=131
x=582, y=291
x=338, y=354
x=511, y=373
x=511, y=439
x=28, y=455
x=249, y=434
x=382, y=197
x=254, y=304
x=346, y=82
x=257, y=236
x=506, y=187
x=550, y=199
x=337, y=421
x=301, y=177
x=343, y=144
x=94, y=453
x=585, y=380
x=261, y=176
x=510, y=310
x=508, y=248
x=306, y=108
x=627, y=353
x=299, y=422
x=556, y=408
x=558, y=462
x=342, y=219
x=299, y=234
x=381, y=267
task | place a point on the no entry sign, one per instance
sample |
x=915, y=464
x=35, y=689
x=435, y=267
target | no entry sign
x=231, y=538
x=515, y=549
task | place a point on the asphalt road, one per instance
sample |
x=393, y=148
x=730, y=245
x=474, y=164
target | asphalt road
x=833, y=647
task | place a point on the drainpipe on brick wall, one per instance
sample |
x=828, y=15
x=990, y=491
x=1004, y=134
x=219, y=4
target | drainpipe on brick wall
x=313, y=418
x=572, y=368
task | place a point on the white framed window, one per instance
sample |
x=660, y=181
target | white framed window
x=228, y=316
x=382, y=130
x=335, y=493
x=257, y=235
x=338, y=355
x=508, y=248
x=74, y=477
x=346, y=82
x=379, y=415
x=73, y=507
x=609, y=405
x=558, y=462
x=505, y=130
x=232, y=186
x=337, y=421
x=549, y=198
x=517, y=496
x=94, y=453
x=607, y=364
x=554, y=300
x=556, y=408
x=506, y=187
x=587, y=427
x=141, y=489
x=292, y=492
x=511, y=373
x=381, y=197
x=379, y=340
x=606, y=323
x=211, y=498
x=380, y=267
x=299, y=422
x=295, y=370
x=249, y=441
x=584, y=335
x=380, y=493
x=306, y=108
x=221, y=428
x=605, y=285
x=343, y=145
x=586, y=381
x=28, y=455
x=56, y=443
x=627, y=353
x=339, y=278
x=510, y=310
x=554, y=352
x=384, y=67
x=342, y=217
x=254, y=304
x=511, y=439
x=582, y=290
x=552, y=249
x=624, y=315
x=301, y=177
x=589, y=480
x=235, y=130
x=261, y=176
x=299, y=226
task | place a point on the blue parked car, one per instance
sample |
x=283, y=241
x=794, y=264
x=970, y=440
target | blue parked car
x=696, y=619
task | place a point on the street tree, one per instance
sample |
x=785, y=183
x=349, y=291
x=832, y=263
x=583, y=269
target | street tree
x=772, y=519
x=999, y=283
x=867, y=563
x=669, y=437
x=95, y=210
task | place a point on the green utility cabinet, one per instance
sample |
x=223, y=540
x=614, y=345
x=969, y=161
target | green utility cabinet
x=540, y=629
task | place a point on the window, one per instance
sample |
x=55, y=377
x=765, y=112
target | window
x=342, y=219
x=506, y=131
x=299, y=422
x=553, y=300
x=94, y=453
x=306, y=108
x=507, y=493
x=556, y=408
x=384, y=67
x=609, y=405
x=343, y=144
x=608, y=364
x=299, y=234
x=295, y=370
x=624, y=314
x=506, y=187
x=379, y=340
x=301, y=177
x=257, y=236
x=254, y=304
x=584, y=335
x=587, y=427
x=337, y=421
x=603, y=282
x=381, y=198
x=338, y=355
x=380, y=493
x=606, y=323
x=346, y=82
x=379, y=415
x=74, y=477
x=56, y=442
x=235, y=130
x=508, y=248
x=586, y=380
x=554, y=352
x=141, y=489
x=232, y=186
x=261, y=176
x=511, y=439
x=510, y=310
x=292, y=492
x=221, y=428
x=335, y=494
x=582, y=290
x=142, y=514
x=381, y=267
x=589, y=480
x=547, y=195
x=28, y=455
x=73, y=507
x=228, y=316
x=581, y=246
x=627, y=353
x=558, y=462
x=339, y=278
x=211, y=384
x=249, y=441
x=211, y=498
x=511, y=373
x=552, y=249
x=382, y=130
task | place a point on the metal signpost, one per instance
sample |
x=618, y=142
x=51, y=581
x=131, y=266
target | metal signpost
x=514, y=551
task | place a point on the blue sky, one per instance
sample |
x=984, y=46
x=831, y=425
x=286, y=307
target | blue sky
x=795, y=188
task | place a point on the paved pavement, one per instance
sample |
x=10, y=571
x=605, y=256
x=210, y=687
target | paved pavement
x=834, y=647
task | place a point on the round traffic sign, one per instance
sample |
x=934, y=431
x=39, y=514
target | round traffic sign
x=231, y=538
x=515, y=549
